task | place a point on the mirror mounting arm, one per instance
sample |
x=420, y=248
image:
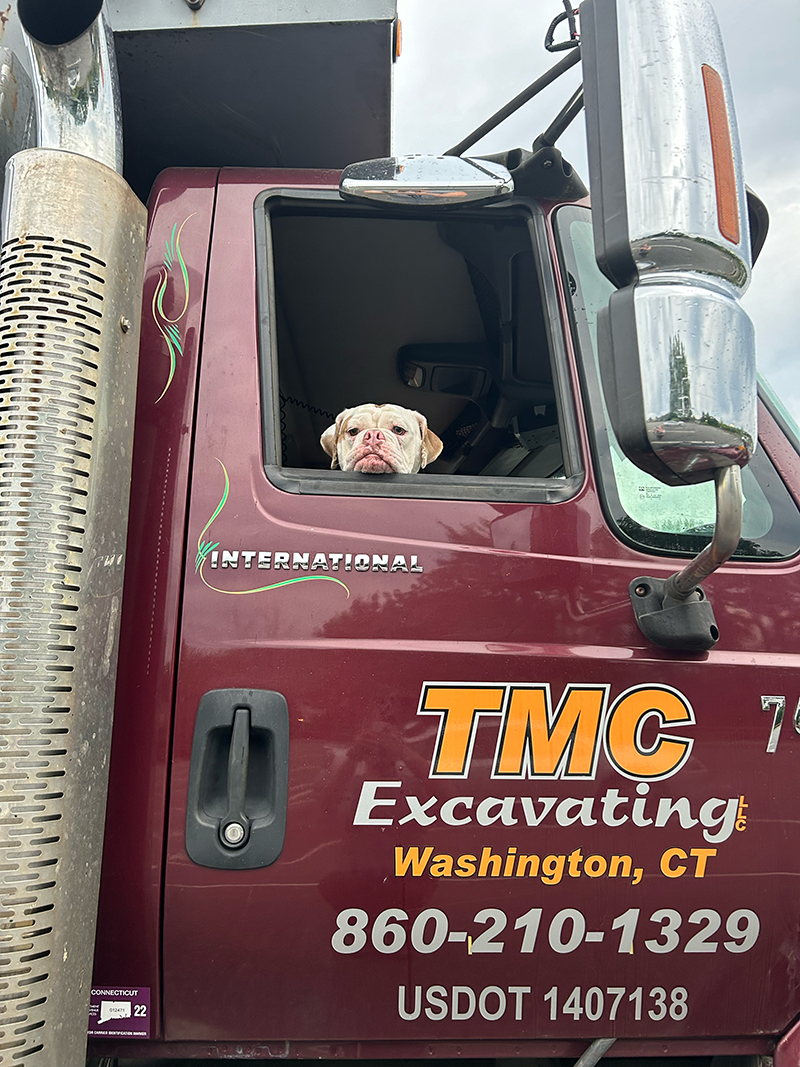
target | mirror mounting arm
x=675, y=613
x=727, y=531
x=546, y=79
x=569, y=111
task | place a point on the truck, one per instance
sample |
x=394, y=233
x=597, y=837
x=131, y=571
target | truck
x=303, y=763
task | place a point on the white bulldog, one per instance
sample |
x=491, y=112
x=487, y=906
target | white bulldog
x=380, y=439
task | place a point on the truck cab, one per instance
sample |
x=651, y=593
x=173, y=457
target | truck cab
x=474, y=798
x=395, y=771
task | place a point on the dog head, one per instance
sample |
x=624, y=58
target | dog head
x=380, y=439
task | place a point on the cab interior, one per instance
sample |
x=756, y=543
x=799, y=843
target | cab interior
x=442, y=314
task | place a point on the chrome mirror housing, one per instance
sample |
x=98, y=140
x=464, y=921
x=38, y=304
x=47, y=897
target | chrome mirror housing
x=677, y=359
x=425, y=181
x=669, y=207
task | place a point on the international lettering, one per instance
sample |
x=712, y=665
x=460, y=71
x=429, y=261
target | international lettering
x=321, y=562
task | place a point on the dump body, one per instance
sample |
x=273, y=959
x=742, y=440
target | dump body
x=253, y=84
x=510, y=824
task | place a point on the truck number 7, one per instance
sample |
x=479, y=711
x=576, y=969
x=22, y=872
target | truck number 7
x=779, y=703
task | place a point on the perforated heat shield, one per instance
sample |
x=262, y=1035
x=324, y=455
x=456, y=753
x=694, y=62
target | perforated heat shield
x=70, y=294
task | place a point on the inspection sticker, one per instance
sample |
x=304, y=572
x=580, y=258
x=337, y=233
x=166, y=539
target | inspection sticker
x=122, y=1011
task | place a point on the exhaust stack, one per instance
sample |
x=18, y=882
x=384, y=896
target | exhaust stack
x=70, y=293
x=75, y=78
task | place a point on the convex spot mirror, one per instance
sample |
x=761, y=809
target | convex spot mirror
x=419, y=181
x=669, y=209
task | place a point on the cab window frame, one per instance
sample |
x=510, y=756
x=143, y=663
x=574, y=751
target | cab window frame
x=779, y=412
x=424, y=485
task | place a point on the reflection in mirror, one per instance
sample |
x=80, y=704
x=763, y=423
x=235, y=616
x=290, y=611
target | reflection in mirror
x=696, y=346
x=426, y=180
x=677, y=362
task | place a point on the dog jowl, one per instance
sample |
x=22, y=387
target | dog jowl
x=380, y=439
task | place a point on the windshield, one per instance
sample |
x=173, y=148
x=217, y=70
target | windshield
x=667, y=519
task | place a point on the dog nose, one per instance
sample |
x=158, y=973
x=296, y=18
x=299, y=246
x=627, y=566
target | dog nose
x=373, y=437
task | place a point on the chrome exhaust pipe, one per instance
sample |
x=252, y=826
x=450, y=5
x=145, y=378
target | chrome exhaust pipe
x=70, y=294
x=75, y=78
x=17, y=110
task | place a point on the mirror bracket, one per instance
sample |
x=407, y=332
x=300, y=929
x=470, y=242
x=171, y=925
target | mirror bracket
x=688, y=625
x=674, y=612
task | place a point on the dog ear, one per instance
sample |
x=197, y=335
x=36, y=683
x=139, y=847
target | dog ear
x=328, y=442
x=431, y=445
x=330, y=439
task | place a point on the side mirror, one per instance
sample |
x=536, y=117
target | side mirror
x=424, y=181
x=670, y=217
x=677, y=350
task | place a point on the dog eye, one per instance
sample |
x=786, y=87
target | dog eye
x=353, y=431
x=399, y=430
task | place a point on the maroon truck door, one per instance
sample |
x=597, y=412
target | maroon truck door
x=507, y=818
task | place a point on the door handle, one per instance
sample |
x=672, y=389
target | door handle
x=238, y=779
x=234, y=826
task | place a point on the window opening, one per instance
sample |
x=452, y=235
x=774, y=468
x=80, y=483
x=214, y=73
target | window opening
x=443, y=314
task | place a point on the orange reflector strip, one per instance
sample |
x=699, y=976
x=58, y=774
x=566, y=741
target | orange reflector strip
x=398, y=40
x=722, y=151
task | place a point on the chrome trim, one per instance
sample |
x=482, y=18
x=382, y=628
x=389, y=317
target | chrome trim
x=419, y=180
x=777, y=719
x=677, y=351
x=668, y=159
x=77, y=95
x=727, y=531
x=697, y=363
x=17, y=112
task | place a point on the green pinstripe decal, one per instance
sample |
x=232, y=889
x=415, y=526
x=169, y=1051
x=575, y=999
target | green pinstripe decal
x=169, y=328
x=205, y=548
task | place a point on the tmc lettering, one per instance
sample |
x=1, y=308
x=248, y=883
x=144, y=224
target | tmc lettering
x=534, y=740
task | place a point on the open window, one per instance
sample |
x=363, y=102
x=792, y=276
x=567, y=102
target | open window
x=452, y=314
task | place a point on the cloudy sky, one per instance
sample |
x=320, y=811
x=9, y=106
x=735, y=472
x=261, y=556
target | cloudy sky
x=463, y=59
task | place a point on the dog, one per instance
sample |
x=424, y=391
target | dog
x=380, y=439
